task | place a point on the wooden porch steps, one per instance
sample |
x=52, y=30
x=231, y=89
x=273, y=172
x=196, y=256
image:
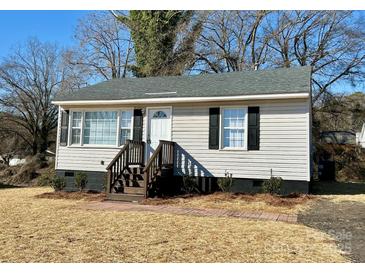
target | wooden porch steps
x=134, y=190
x=130, y=179
x=125, y=197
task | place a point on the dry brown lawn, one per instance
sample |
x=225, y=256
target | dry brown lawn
x=240, y=202
x=37, y=229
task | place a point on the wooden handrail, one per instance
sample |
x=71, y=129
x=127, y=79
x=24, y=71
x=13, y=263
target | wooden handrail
x=154, y=155
x=132, y=153
x=162, y=156
x=124, y=148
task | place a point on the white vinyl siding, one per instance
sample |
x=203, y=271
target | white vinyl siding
x=283, y=144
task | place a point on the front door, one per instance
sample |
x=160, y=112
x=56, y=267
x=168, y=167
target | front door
x=159, y=121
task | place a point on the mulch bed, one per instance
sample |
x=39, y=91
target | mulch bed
x=274, y=200
x=87, y=196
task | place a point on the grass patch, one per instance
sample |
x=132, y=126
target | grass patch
x=57, y=230
x=240, y=202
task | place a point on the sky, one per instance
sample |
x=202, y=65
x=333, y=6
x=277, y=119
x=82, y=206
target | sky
x=51, y=26
x=58, y=26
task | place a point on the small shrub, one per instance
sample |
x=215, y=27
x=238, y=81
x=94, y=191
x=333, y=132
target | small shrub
x=58, y=183
x=80, y=180
x=46, y=178
x=225, y=183
x=190, y=185
x=272, y=185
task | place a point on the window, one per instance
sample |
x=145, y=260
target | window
x=234, y=127
x=76, y=127
x=100, y=128
x=125, y=126
x=159, y=114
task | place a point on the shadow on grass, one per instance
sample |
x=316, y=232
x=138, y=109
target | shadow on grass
x=337, y=188
x=2, y=186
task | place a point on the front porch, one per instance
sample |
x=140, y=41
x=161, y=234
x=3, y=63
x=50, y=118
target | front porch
x=131, y=177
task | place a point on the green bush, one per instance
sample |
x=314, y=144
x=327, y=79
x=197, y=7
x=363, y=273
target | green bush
x=225, y=183
x=190, y=185
x=272, y=185
x=58, y=183
x=46, y=178
x=81, y=180
x=49, y=178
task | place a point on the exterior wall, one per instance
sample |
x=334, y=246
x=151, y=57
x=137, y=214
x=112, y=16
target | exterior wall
x=284, y=144
x=85, y=158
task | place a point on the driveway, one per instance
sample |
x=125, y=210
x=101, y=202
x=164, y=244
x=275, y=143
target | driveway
x=345, y=221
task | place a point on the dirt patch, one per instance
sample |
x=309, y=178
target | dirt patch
x=86, y=196
x=232, y=201
x=344, y=221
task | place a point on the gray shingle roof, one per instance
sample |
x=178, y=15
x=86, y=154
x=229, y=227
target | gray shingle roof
x=273, y=81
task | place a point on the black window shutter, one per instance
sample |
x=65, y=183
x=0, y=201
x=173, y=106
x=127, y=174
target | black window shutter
x=253, y=128
x=214, y=128
x=137, y=125
x=64, y=127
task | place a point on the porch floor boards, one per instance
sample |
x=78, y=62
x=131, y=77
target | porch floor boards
x=208, y=212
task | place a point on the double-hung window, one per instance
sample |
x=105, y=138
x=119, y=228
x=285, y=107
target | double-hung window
x=125, y=126
x=76, y=127
x=100, y=128
x=234, y=127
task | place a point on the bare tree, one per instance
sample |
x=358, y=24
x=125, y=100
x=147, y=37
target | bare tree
x=104, y=47
x=232, y=41
x=29, y=79
x=332, y=42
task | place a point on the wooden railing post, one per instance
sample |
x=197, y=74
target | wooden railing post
x=146, y=180
x=163, y=155
x=109, y=181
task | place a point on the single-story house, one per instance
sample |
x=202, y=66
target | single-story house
x=133, y=131
x=339, y=137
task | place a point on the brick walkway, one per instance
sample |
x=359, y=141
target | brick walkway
x=125, y=206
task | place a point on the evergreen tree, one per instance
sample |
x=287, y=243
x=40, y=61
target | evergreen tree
x=163, y=41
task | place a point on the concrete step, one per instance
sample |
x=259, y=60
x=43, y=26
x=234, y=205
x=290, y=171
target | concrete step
x=125, y=197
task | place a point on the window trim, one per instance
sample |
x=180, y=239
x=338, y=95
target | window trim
x=71, y=127
x=221, y=129
x=118, y=125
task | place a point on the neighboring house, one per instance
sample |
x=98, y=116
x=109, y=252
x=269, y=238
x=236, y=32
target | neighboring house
x=360, y=137
x=16, y=161
x=338, y=137
x=251, y=124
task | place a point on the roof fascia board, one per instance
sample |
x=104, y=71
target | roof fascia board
x=185, y=99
